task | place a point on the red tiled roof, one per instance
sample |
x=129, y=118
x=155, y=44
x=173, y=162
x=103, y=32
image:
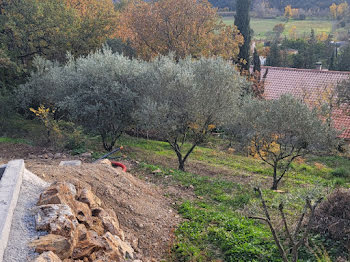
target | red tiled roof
x=298, y=82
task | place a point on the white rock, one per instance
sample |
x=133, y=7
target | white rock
x=71, y=163
x=50, y=217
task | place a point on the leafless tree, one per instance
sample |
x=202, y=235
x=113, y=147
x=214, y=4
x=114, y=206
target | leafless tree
x=297, y=238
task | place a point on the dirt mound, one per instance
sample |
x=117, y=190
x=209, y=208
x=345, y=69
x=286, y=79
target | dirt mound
x=333, y=216
x=145, y=215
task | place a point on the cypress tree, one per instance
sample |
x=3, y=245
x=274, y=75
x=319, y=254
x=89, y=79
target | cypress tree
x=242, y=21
x=256, y=61
x=311, y=56
x=274, y=58
x=332, y=65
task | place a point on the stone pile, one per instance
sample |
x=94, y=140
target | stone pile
x=79, y=229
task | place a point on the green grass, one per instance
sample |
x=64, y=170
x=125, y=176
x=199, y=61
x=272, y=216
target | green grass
x=215, y=225
x=211, y=233
x=28, y=131
x=14, y=140
x=213, y=228
x=262, y=27
x=308, y=173
x=216, y=228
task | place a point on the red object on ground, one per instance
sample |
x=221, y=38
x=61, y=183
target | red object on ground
x=115, y=164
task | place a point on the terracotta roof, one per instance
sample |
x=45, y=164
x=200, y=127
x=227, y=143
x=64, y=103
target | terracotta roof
x=310, y=82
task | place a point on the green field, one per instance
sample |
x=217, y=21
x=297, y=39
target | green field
x=261, y=27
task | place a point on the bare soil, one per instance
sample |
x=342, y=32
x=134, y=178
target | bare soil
x=146, y=215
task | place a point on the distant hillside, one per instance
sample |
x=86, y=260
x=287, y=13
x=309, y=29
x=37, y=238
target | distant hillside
x=280, y=4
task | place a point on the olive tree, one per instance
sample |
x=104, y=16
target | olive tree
x=279, y=131
x=186, y=99
x=99, y=91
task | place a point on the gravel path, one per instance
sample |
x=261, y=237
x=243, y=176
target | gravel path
x=23, y=222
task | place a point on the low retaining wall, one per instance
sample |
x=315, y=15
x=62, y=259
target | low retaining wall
x=10, y=185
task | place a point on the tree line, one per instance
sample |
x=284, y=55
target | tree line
x=281, y=4
x=306, y=52
x=183, y=74
x=51, y=28
x=181, y=101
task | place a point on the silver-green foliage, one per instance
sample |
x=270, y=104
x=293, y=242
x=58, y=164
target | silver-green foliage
x=185, y=99
x=281, y=130
x=105, y=92
x=98, y=91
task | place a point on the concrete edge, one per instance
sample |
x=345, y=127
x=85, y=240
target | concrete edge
x=10, y=186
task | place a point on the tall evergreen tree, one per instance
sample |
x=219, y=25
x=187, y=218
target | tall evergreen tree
x=274, y=58
x=332, y=62
x=242, y=21
x=311, y=51
x=256, y=61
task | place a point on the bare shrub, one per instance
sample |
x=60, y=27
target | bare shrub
x=332, y=217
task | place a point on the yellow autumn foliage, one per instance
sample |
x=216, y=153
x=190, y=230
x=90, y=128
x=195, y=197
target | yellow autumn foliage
x=322, y=37
x=288, y=12
x=198, y=128
x=266, y=149
x=184, y=27
x=46, y=117
x=338, y=11
x=211, y=127
x=333, y=10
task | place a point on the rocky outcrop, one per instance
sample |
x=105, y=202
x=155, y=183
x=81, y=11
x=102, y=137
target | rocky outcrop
x=60, y=245
x=79, y=229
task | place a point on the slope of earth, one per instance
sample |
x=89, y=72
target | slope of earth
x=146, y=216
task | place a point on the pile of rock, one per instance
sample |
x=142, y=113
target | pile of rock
x=79, y=229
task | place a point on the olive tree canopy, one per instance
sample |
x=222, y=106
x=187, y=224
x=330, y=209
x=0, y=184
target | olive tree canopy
x=279, y=131
x=187, y=99
x=99, y=91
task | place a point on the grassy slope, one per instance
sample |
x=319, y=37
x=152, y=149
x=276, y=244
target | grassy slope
x=263, y=26
x=216, y=227
x=14, y=140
